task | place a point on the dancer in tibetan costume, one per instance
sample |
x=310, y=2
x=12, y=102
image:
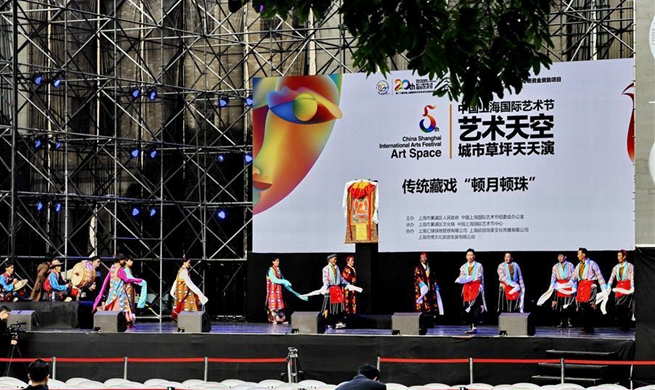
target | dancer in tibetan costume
x=587, y=274
x=117, y=297
x=349, y=274
x=275, y=305
x=187, y=295
x=131, y=291
x=624, y=276
x=471, y=277
x=561, y=293
x=511, y=292
x=426, y=289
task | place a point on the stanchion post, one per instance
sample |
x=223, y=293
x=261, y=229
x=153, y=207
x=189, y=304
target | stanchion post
x=206, y=375
x=470, y=370
x=562, y=370
x=378, y=365
x=54, y=367
x=125, y=368
x=632, y=366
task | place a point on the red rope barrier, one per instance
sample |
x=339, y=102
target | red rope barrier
x=165, y=360
x=89, y=360
x=521, y=361
x=433, y=361
x=245, y=360
x=515, y=361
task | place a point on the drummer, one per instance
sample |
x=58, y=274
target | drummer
x=55, y=286
x=12, y=290
x=90, y=287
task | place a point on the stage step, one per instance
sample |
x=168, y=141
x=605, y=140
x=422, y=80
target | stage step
x=577, y=370
x=550, y=380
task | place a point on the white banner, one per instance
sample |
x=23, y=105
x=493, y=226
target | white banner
x=547, y=169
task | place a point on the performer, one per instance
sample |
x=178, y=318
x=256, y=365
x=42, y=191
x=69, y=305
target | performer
x=117, y=298
x=131, y=291
x=349, y=274
x=333, y=301
x=186, y=293
x=11, y=290
x=471, y=276
x=275, y=306
x=42, y=271
x=426, y=289
x=587, y=273
x=563, y=288
x=511, y=292
x=55, y=287
x=624, y=275
x=89, y=292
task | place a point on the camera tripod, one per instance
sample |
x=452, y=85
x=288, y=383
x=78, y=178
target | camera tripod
x=10, y=355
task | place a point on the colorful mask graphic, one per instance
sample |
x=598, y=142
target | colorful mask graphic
x=293, y=118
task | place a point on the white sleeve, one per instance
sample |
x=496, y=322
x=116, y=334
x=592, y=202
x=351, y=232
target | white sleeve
x=191, y=286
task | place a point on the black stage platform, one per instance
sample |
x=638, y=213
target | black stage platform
x=332, y=357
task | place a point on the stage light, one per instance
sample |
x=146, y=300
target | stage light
x=258, y=6
x=223, y=101
x=135, y=211
x=57, y=207
x=152, y=152
x=37, y=78
x=38, y=143
x=134, y=152
x=135, y=93
x=249, y=101
x=220, y=158
x=152, y=212
x=152, y=93
x=57, y=81
x=39, y=205
x=221, y=214
x=234, y=5
x=58, y=144
x=247, y=158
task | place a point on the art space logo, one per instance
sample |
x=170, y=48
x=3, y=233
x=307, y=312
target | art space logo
x=428, y=124
x=382, y=87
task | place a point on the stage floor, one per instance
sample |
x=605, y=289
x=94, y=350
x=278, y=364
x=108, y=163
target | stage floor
x=437, y=331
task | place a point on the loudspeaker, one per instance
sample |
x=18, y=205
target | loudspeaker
x=109, y=322
x=307, y=322
x=27, y=319
x=407, y=324
x=193, y=322
x=515, y=324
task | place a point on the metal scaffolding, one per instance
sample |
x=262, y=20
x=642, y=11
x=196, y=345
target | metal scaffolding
x=80, y=159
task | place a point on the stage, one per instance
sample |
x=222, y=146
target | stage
x=331, y=357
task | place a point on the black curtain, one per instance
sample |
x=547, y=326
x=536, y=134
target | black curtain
x=645, y=314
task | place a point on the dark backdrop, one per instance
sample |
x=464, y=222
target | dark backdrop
x=392, y=279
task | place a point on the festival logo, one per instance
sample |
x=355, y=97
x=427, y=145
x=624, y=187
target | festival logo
x=292, y=119
x=382, y=87
x=428, y=124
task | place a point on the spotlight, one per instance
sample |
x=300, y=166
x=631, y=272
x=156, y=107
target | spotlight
x=57, y=81
x=135, y=211
x=249, y=101
x=38, y=143
x=58, y=144
x=58, y=207
x=152, y=93
x=152, y=152
x=223, y=101
x=37, y=78
x=152, y=212
x=39, y=205
x=134, y=152
x=135, y=93
x=258, y=6
x=221, y=214
x=220, y=158
x=247, y=158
